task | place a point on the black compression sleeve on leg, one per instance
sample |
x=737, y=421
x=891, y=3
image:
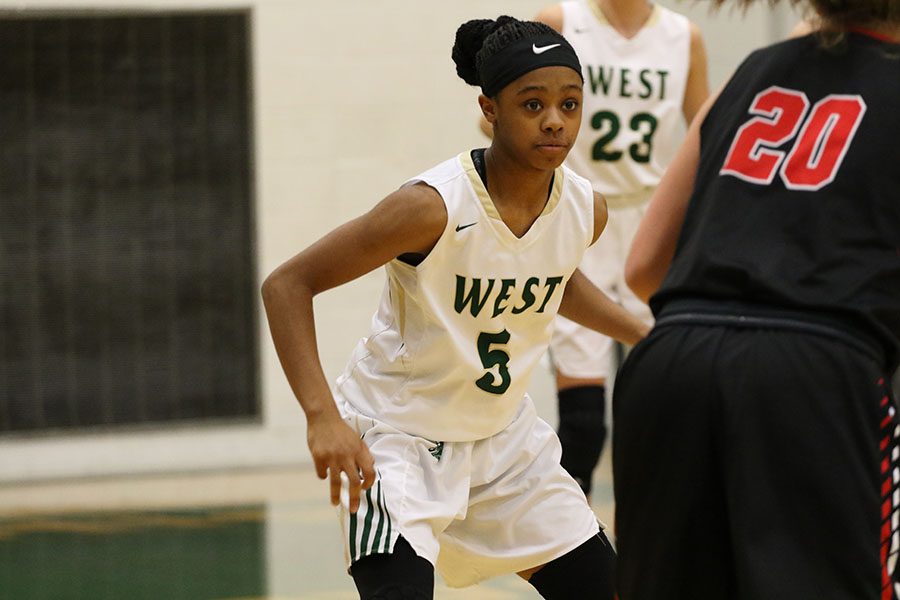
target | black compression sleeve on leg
x=400, y=575
x=585, y=573
x=582, y=430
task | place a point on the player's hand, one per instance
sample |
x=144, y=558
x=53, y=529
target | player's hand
x=336, y=448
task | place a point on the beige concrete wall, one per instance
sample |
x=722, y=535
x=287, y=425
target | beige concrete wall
x=351, y=97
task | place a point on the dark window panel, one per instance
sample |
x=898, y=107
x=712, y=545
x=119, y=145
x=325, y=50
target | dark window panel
x=125, y=248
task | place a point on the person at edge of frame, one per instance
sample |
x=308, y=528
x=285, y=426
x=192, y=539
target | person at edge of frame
x=760, y=460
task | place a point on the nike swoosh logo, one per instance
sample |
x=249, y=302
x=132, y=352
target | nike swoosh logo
x=461, y=227
x=541, y=49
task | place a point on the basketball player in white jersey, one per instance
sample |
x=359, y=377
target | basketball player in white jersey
x=645, y=71
x=433, y=448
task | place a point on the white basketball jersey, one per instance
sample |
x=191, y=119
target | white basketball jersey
x=455, y=339
x=633, y=96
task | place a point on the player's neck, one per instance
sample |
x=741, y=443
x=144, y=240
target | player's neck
x=515, y=188
x=626, y=16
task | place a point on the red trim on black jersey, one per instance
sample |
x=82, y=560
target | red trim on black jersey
x=890, y=496
x=875, y=34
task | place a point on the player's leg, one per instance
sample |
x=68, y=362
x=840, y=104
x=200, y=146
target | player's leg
x=586, y=572
x=671, y=522
x=582, y=426
x=391, y=542
x=582, y=359
x=400, y=575
x=810, y=466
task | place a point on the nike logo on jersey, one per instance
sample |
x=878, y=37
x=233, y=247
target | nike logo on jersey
x=461, y=227
x=541, y=49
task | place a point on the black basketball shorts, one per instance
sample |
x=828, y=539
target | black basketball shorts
x=754, y=464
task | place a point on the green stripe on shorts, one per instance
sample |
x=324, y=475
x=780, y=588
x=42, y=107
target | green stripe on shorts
x=367, y=528
x=376, y=514
x=387, y=514
x=353, y=537
x=377, y=539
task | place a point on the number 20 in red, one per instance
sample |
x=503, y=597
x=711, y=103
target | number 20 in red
x=815, y=157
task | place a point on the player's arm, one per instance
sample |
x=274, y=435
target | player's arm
x=409, y=220
x=653, y=246
x=587, y=305
x=696, y=90
x=550, y=15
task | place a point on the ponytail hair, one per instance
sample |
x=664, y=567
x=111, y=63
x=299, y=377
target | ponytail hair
x=834, y=18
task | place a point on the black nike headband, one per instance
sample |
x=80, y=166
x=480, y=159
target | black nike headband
x=524, y=56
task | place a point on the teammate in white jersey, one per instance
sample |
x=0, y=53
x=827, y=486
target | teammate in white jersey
x=645, y=69
x=432, y=447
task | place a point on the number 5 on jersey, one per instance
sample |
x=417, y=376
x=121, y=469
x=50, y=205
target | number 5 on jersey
x=491, y=358
x=814, y=159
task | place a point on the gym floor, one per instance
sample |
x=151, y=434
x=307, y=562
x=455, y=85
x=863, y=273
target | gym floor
x=267, y=534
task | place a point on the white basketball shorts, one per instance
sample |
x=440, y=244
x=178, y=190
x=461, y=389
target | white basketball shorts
x=475, y=510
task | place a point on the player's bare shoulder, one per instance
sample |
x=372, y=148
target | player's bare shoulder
x=417, y=212
x=423, y=202
x=698, y=48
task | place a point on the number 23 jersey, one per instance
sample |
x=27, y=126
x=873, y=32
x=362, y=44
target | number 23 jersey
x=633, y=94
x=456, y=338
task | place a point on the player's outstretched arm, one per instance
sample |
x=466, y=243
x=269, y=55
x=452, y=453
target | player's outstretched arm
x=587, y=305
x=409, y=220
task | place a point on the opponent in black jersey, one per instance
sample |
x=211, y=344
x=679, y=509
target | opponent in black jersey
x=756, y=454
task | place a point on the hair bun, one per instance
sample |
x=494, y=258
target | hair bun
x=470, y=37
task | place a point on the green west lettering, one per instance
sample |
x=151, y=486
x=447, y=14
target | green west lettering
x=506, y=285
x=624, y=83
x=527, y=296
x=551, y=284
x=645, y=83
x=627, y=83
x=601, y=78
x=475, y=295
